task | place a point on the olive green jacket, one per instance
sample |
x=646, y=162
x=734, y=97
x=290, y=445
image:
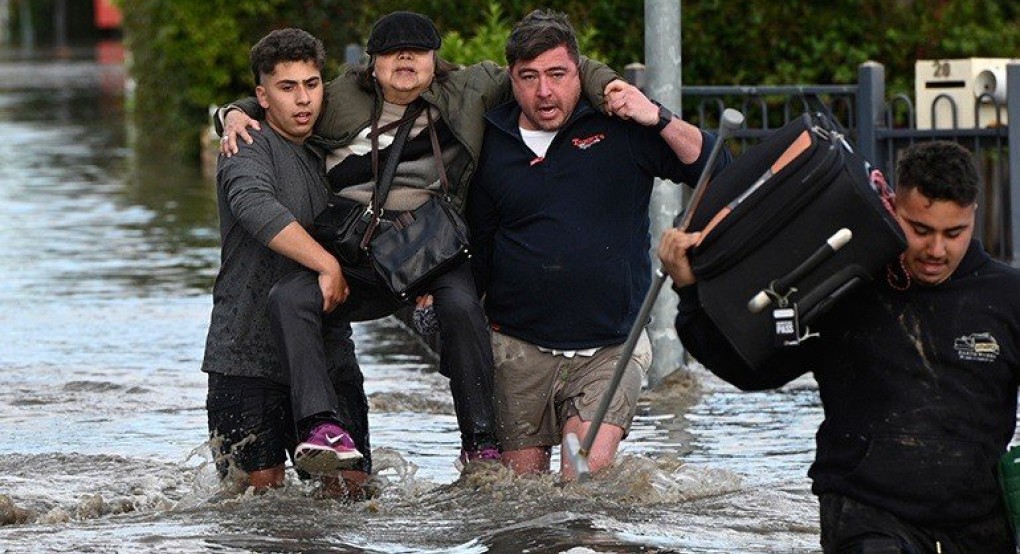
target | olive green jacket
x=462, y=99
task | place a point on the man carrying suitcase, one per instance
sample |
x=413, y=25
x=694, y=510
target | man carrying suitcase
x=917, y=373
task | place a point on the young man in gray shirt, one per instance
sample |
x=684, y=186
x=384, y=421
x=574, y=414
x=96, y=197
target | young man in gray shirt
x=269, y=193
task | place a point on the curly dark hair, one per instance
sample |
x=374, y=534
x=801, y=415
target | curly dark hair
x=940, y=170
x=285, y=45
x=538, y=32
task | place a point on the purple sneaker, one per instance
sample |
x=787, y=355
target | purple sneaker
x=489, y=454
x=326, y=451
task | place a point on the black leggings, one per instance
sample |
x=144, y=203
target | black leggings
x=295, y=311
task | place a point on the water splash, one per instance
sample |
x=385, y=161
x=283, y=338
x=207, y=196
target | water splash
x=58, y=488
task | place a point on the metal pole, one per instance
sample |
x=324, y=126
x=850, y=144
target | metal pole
x=634, y=73
x=870, y=107
x=663, y=59
x=60, y=27
x=27, y=27
x=353, y=54
x=576, y=451
x=5, y=21
x=1013, y=107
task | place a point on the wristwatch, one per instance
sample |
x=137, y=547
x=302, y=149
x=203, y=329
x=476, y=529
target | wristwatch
x=665, y=116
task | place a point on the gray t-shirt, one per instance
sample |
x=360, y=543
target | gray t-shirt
x=260, y=190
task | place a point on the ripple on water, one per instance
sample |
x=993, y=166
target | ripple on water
x=92, y=386
x=87, y=487
x=415, y=403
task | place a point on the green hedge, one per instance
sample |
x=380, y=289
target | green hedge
x=184, y=56
x=191, y=53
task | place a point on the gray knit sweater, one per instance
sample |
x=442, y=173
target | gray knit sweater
x=260, y=190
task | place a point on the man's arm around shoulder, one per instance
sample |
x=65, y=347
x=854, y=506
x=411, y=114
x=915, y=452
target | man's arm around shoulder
x=247, y=181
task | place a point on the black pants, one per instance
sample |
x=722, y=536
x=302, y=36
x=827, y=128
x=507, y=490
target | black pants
x=252, y=423
x=849, y=527
x=295, y=311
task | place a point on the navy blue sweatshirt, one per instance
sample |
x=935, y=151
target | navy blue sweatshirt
x=562, y=242
x=919, y=389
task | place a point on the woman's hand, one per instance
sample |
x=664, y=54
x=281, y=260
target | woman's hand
x=235, y=125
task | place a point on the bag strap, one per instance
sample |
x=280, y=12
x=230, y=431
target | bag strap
x=437, y=153
x=385, y=179
x=382, y=182
x=379, y=131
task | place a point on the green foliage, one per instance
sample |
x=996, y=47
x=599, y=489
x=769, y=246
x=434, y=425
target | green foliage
x=486, y=44
x=490, y=38
x=610, y=30
x=184, y=54
x=192, y=53
x=763, y=42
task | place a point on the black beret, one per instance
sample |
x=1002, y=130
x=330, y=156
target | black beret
x=403, y=30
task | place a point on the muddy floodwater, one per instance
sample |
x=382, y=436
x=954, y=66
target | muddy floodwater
x=107, y=257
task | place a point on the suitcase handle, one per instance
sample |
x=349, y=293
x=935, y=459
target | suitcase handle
x=780, y=288
x=822, y=298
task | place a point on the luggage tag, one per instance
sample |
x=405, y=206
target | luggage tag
x=786, y=325
x=786, y=320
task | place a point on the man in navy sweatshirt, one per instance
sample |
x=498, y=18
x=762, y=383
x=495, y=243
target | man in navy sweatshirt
x=917, y=373
x=559, y=218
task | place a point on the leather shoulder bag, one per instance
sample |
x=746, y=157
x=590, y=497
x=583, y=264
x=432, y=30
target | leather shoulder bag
x=345, y=227
x=419, y=245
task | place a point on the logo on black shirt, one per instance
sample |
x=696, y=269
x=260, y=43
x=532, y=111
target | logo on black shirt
x=588, y=142
x=977, y=347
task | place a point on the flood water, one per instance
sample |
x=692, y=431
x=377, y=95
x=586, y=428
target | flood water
x=107, y=259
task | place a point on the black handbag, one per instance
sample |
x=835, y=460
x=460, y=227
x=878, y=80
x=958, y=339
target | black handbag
x=342, y=228
x=408, y=256
x=412, y=249
x=345, y=227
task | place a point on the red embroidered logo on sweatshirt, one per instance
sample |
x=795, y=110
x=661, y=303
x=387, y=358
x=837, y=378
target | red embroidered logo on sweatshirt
x=588, y=142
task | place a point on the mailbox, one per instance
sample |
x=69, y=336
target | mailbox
x=960, y=94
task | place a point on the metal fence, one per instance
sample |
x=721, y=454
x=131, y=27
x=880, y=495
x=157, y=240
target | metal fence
x=882, y=127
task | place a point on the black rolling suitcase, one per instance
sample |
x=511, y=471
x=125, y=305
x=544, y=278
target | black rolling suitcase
x=789, y=227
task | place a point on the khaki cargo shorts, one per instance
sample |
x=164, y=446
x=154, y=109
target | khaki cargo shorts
x=536, y=392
